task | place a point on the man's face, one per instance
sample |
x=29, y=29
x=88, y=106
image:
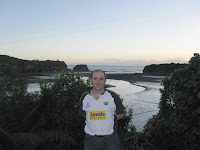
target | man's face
x=98, y=80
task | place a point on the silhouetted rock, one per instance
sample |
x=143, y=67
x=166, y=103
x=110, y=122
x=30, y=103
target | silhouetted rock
x=80, y=68
x=29, y=66
x=162, y=69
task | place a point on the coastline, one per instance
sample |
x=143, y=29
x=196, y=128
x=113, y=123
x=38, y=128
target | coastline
x=125, y=76
x=136, y=77
x=132, y=77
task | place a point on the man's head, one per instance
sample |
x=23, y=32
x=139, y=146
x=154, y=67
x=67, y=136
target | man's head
x=98, y=79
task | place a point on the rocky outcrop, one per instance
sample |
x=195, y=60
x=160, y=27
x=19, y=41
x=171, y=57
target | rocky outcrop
x=162, y=69
x=27, y=66
x=80, y=68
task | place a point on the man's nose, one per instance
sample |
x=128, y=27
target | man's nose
x=98, y=80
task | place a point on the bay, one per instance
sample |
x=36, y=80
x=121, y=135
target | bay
x=114, y=68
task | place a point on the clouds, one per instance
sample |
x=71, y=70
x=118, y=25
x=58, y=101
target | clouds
x=101, y=32
x=112, y=60
x=144, y=62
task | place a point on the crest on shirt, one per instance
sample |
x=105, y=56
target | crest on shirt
x=105, y=103
x=88, y=105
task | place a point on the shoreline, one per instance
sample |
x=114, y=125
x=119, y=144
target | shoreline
x=132, y=77
x=129, y=77
x=125, y=76
x=136, y=77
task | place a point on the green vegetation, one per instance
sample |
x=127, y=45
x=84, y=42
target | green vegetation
x=162, y=69
x=49, y=119
x=27, y=66
x=177, y=124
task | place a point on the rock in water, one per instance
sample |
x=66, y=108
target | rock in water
x=81, y=68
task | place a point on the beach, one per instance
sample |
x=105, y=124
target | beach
x=136, y=77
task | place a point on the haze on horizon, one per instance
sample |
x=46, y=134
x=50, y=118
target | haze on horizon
x=104, y=32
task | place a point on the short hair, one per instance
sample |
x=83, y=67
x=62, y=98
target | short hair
x=98, y=70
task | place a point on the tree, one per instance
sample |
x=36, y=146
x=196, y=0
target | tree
x=177, y=124
x=53, y=120
x=57, y=117
x=15, y=103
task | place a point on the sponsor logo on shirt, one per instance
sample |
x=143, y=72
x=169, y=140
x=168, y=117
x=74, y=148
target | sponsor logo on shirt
x=98, y=115
x=105, y=103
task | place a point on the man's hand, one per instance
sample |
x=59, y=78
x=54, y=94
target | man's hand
x=120, y=116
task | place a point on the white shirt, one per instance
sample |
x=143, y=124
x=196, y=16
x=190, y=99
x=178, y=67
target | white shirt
x=99, y=114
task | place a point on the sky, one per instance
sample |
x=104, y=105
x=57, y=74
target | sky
x=101, y=32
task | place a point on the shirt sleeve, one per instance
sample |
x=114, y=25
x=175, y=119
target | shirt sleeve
x=118, y=103
x=81, y=111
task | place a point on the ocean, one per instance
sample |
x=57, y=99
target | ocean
x=113, y=68
x=136, y=96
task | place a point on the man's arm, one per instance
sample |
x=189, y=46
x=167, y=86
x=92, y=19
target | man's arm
x=81, y=111
x=119, y=106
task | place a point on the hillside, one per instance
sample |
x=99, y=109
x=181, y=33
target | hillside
x=162, y=69
x=29, y=66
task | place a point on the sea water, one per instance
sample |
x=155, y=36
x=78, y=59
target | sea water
x=142, y=97
x=114, y=68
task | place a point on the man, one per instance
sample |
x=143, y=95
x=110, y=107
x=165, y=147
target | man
x=101, y=108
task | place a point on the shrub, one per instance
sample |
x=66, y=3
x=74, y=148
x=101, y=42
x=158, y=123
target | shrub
x=15, y=104
x=177, y=124
x=58, y=122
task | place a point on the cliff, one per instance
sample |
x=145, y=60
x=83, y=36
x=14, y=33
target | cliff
x=162, y=69
x=27, y=66
x=81, y=68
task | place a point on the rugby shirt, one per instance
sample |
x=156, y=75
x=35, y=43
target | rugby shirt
x=100, y=114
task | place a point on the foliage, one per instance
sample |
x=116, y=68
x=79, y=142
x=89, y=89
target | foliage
x=50, y=119
x=15, y=103
x=177, y=124
x=162, y=69
x=12, y=86
x=52, y=122
x=57, y=117
x=129, y=137
x=27, y=66
x=126, y=129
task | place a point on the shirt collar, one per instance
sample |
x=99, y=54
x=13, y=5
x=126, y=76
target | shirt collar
x=101, y=93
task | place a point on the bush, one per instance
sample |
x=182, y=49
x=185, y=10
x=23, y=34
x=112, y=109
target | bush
x=49, y=120
x=177, y=124
x=59, y=108
x=58, y=121
x=15, y=104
